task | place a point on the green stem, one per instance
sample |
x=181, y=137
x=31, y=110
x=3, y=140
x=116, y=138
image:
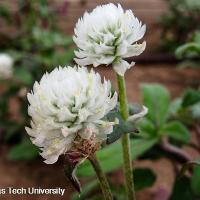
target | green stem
x=102, y=178
x=128, y=171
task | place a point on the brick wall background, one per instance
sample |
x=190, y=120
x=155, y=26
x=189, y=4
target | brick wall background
x=149, y=11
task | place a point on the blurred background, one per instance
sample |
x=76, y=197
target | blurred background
x=36, y=36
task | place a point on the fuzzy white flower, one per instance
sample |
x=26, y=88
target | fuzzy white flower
x=69, y=103
x=108, y=35
x=6, y=66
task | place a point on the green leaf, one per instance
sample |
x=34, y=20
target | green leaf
x=48, y=39
x=23, y=151
x=182, y=190
x=123, y=127
x=175, y=106
x=4, y=13
x=196, y=36
x=143, y=178
x=156, y=99
x=23, y=76
x=177, y=131
x=62, y=58
x=147, y=128
x=191, y=97
x=189, y=49
x=111, y=156
x=195, y=182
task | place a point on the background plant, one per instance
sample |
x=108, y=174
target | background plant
x=179, y=23
x=37, y=45
x=162, y=134
x=174, y=130
x=189, y=52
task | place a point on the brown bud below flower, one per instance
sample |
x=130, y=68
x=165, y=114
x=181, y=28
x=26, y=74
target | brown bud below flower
x=83, y=148
x=87, y=146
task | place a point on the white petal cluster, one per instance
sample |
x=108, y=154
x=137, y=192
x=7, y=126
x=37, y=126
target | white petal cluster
x=66, y=103
x=6, y=66
x=108, y=35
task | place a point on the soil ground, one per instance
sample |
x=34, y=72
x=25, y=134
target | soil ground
x=38, y=174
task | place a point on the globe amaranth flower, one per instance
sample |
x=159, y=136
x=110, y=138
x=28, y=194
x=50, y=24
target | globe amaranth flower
x=6, y=66
x=69, y=105
x=108, y=35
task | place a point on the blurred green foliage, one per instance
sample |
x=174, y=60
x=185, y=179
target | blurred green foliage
x=158, y=123
x=111, y=156
x=187, y=187
x=35, y=42
x=179, y=23
x=190, y=52
x=37, y=45
x=187, y=108
x=144, y=178
x=163, y=132
x=154, y=127
x=190, y=49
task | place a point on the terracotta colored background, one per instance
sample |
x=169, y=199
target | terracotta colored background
x=149, y=11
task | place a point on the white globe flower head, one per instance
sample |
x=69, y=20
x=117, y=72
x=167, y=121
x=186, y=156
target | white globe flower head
x=6, y=66
x=67, y=105
x=108, y=35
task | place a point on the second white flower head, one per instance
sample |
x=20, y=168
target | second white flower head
x=6, y=66
x=66, y=103
x=107, y=35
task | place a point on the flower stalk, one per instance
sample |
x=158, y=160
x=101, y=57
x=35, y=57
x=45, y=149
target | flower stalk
x=102, y=178
x=128, y=171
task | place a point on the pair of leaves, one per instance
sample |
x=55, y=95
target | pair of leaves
x=157, y=99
